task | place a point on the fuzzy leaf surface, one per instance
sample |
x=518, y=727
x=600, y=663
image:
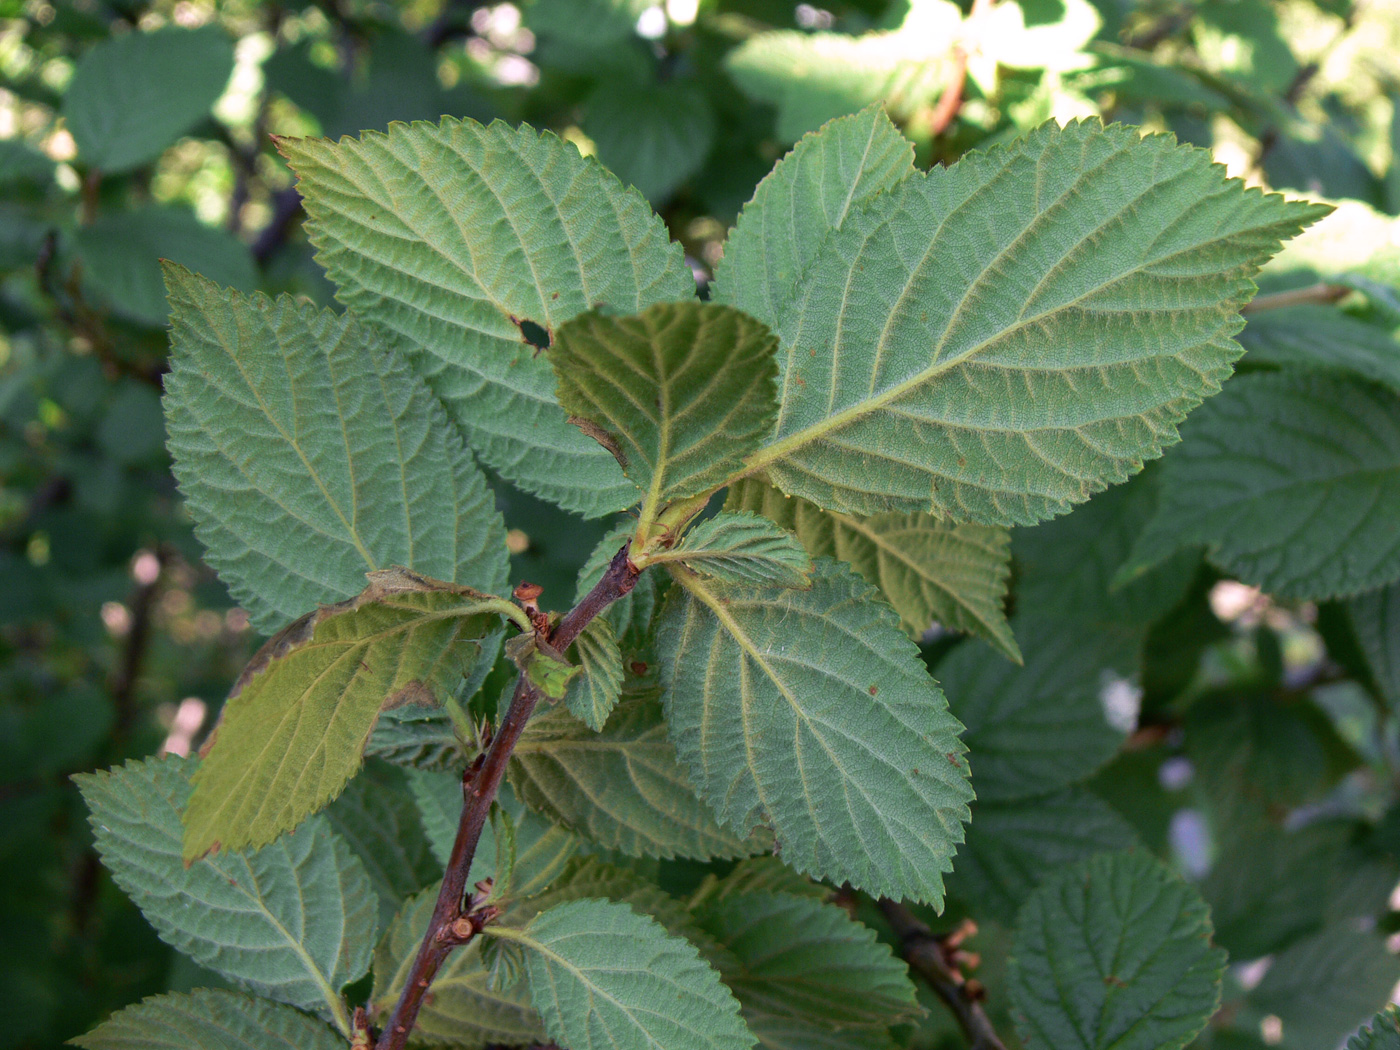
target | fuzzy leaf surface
x=1114, y=952
x=135, y=94
x=1292, y=481
x=679, y=393
x=621, y=787
x=605, y=978
x=596, y=691
x=807, y=195
x=295, y=726
x=294, y=921
x=449, y=236
x=210, y=1019
x=466, y=1009
x=805, y=964
x=744, y=548
x=810, y=712
x=1033, y=346
x=308, y=455
x=929, y=570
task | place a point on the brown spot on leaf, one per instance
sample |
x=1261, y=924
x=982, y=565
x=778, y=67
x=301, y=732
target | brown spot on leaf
x=874, y=690
x=603, y=438
x=639, y=667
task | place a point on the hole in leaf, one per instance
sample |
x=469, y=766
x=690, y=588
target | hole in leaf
x=534, y=334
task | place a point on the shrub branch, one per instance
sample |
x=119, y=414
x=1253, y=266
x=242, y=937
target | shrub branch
x=457, y=918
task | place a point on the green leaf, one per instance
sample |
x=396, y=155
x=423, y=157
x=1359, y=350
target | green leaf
x=294, y=921
x=679, y=394
x=653, y=136
x=810, y=712
x=621, y=787
x=209, y=1019
x=261, y=403
x=294, y=728
x=376, y=817
x=759, y=875
x=742, y=548
x=929, y=570
x=1035, y=728
x=1013, y=846
x=807, y=967
x=21, y=163
x=133, y=95
x=1292, y=481
x=1323, y=987
x=416, y=738
x=121, y=253
x=1065, y=571
x=1383, y=1033
x=1375, y=616
x=545, y=668
x=1322, y=337
x=603, y=976
x=1033, y=347
x=807, y=195
x=466, y=1008
x=1114, y=952
x=596, y=691
x=449, y=236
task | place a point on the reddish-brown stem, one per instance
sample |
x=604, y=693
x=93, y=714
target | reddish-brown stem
x=1322, y=293
x=945, y=110
x=925, y=955
x=454, y=921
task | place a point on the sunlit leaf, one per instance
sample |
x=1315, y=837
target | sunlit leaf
x=453, y=237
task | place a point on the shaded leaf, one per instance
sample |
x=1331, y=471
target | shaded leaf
x=679, y=393
x=929, y=570
x=1322, y=337
x=133, y=95
x=805, y=966
x=294, y=728
x=1375, y=616
x=404, y=223
x=1292, y=481
x=1013, y=846
x=209, y=1019
x=261, y=398
x=1114, y=952
x=652, y=136
x=1033, y=346
x=294, y=921
x=742, y=548
x=602, y=976
x=377, y=819
x=621, y=788
x=1383, y=1033
x=597, y=689
x=1035, y=728
x=809, y=711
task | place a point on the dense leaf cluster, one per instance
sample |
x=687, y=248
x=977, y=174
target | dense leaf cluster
x=913, y=705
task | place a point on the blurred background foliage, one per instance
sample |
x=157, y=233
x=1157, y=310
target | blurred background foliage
x=134, y=131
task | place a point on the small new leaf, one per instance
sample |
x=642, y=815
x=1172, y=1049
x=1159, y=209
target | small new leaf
x=1114, y=952
x=742, y=548
x=547, y=670
x=597, y=689
x=295, y=726
x=679, y=393
x=810, y=712
x=605, y=978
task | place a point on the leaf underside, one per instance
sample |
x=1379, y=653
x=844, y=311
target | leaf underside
x=308, y=455
x=989, y=343
x=294, y=729
x=745, y=548
x=810, y=712
x=450, y=236
x=210, y=1019
x=294, y=921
